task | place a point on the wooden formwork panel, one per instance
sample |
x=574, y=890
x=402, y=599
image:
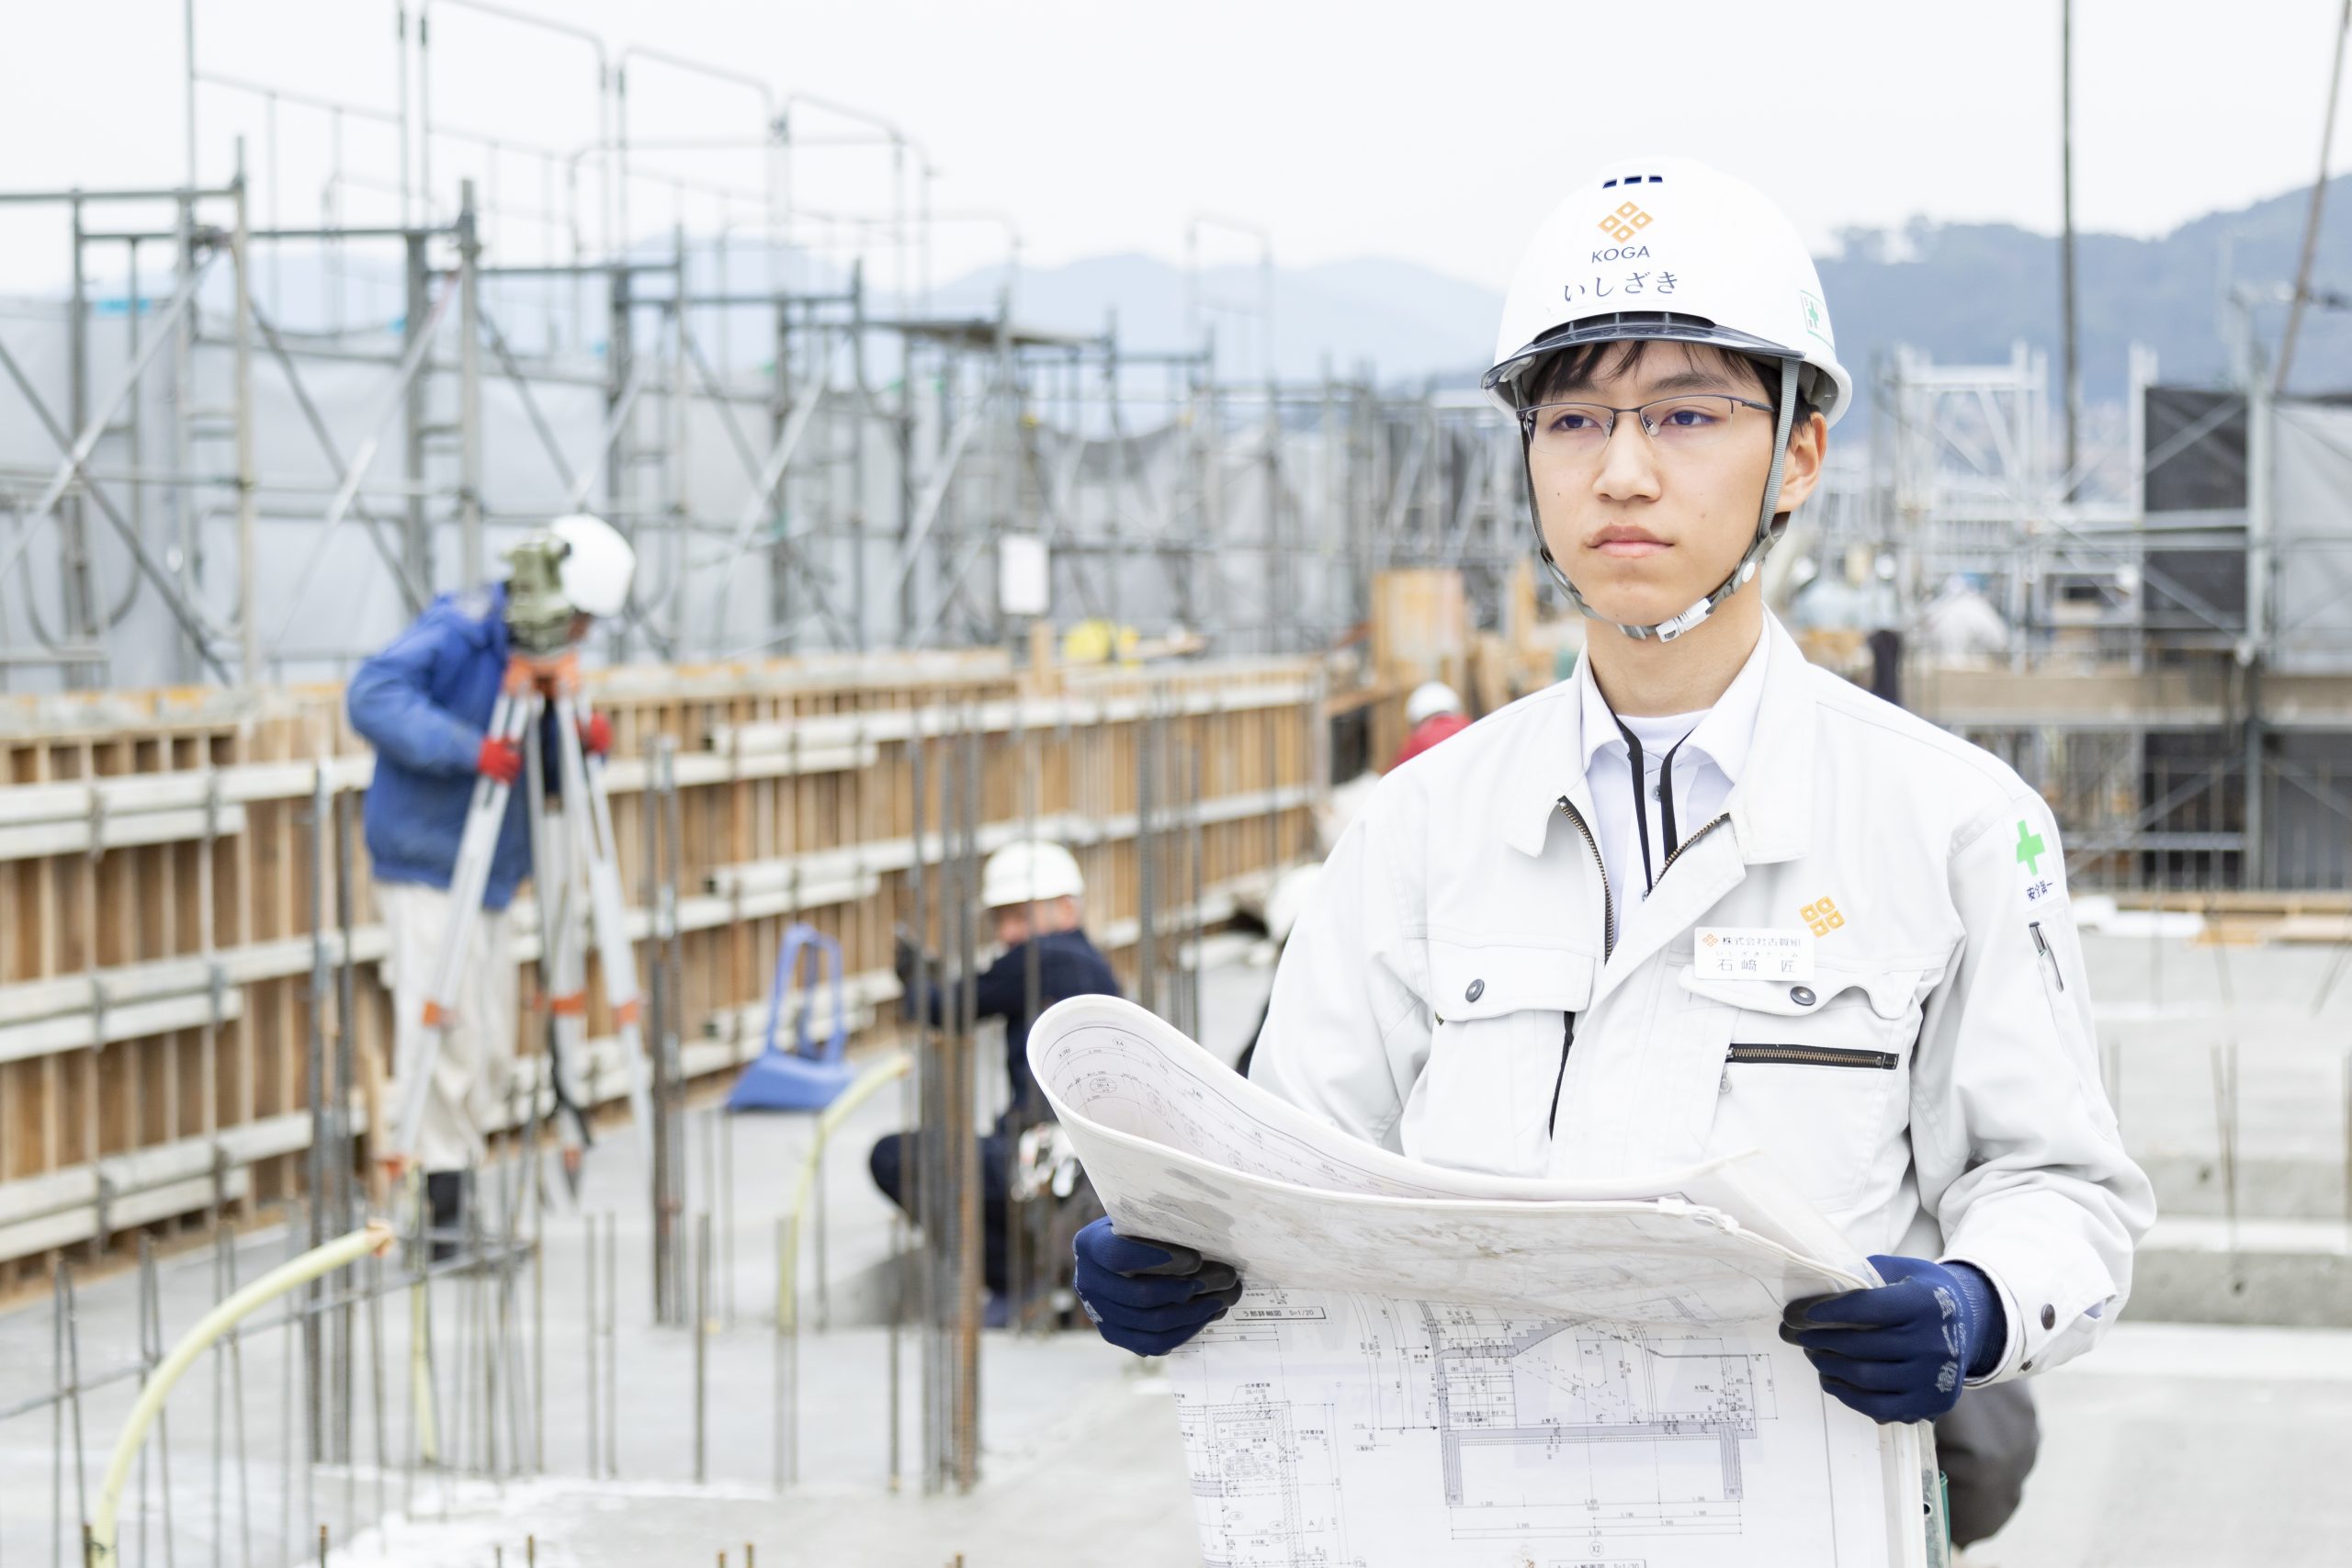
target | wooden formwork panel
x=160, y=909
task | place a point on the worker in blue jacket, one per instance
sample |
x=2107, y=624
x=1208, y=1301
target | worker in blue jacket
x=1034, y=893
x=424, y=704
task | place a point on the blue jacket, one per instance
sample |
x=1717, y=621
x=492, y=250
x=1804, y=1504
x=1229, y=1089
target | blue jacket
x=424, y=704
x=1067, y=965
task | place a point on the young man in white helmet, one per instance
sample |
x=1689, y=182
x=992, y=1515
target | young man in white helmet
x=424, y=704
x=1525, y=957
x=1035, y=895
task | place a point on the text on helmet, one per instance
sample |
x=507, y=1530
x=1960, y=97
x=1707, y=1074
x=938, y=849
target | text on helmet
x=1633, y=283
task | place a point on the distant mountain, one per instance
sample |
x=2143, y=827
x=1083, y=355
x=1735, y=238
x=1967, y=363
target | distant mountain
x=1965, y=292
x=1961, y=292
x=1406, y=322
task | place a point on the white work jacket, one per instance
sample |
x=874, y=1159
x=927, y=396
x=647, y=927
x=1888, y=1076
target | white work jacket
x=1457, y=992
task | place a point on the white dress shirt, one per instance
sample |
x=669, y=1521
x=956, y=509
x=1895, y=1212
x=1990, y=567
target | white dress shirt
x=1713, y=747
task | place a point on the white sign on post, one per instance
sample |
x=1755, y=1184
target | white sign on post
x=1025, y=575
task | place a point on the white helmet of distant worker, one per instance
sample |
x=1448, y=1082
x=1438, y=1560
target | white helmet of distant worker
x=596, y=565
x=1430, y=699
x=1671, y=250
x=1030, y=872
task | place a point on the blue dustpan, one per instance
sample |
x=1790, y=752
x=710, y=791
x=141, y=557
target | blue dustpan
x=809, y=1076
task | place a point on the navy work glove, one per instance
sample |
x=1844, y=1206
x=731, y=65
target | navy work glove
x=1901, y=1352
x=1149, y=1296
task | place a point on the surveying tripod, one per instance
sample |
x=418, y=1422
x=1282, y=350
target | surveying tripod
x=586, y=894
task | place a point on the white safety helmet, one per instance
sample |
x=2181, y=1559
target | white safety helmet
x=596, y=566
x=1430, y=699
x=1669, y=250
x=1030, y=872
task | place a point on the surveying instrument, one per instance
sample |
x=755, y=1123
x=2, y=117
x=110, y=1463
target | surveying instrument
x=574, y=873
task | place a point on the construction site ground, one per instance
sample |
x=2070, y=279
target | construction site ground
x=2176, y=1443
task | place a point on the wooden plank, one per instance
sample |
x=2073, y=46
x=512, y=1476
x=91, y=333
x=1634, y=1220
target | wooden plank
x=776, y=826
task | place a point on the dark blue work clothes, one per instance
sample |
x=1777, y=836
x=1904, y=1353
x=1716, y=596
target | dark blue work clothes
x=424, y=704
x=1067, y=965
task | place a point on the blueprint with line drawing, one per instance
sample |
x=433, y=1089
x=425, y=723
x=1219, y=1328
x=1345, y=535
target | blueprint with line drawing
x=1431, y=1367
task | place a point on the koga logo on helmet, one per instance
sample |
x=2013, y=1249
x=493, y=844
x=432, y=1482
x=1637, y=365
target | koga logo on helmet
x=1625, y=222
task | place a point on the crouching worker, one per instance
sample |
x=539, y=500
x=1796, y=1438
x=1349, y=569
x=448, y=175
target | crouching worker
x=1519, y=960
x=1035, y=898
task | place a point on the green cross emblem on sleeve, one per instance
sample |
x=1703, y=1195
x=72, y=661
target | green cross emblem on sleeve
x=2029, y=850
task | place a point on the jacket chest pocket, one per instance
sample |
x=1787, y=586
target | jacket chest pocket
x=1498, y=1033
x=1817, y=1076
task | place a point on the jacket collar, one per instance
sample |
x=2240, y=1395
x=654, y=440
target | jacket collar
x=1772, y=797
x=1723, y=734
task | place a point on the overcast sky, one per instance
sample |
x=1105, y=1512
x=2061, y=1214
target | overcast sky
x=1437, y=133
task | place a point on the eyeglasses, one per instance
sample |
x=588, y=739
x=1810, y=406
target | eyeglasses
x=1683, y=427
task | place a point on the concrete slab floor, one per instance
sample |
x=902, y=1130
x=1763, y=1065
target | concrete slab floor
x=2181, y=1446
x=1089, y=1470
x=2170, y=1447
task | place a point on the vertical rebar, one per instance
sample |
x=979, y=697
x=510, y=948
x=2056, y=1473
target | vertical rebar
x=781, y=1366
x=666, y=1173
x=898, y=1258
x=914, y=1163
x=702, y=1347
x=1147, y=735
x=1022, y=1258
x=538, y=1327
x=612, y=1346
x=963, y=1127
x=726, y=1219
x=588, y=1339
x=1195, y=850
x=237, y=1384
x=152, y=1351
x=664, y=814
x=2226, y=1120
x=314, y=1089
x=818, y=1204
x=376, y=1370
x=219, y=1405
x=345, y=1084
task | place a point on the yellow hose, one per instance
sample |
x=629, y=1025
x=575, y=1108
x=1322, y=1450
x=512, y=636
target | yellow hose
x=373, y=1238
x=861, y=1090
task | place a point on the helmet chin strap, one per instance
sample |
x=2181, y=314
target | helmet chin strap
x=1769, y=524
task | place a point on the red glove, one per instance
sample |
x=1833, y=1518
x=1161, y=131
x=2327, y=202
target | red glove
x=596, y=734
x=499, y=759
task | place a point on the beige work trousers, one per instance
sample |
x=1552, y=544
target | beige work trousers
x=469, y=1074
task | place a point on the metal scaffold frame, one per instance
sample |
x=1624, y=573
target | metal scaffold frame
x=2137, y=699
x=532, y=348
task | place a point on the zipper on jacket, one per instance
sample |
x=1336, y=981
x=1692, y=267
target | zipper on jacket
x=2041, y=946
x=1608, y=905
x=1608, y=946
x=1815, y=1056
x=1686, y=843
